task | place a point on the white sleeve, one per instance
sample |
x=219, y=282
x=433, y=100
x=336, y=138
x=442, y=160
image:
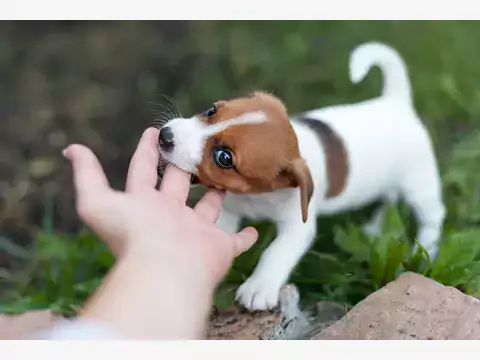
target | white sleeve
x=77, y=329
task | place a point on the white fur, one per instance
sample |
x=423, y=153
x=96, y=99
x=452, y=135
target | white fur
x=390, y=156
x=395, y=76
x=191, y=134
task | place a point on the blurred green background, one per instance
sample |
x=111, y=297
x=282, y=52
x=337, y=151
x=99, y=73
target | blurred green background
x=100, y=83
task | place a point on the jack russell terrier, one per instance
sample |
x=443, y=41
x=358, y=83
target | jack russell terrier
x=324, y=161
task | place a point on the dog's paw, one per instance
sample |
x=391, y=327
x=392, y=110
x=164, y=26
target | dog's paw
x=258, y=293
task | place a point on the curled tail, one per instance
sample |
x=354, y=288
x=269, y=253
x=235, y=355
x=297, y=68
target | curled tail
x=396, y=82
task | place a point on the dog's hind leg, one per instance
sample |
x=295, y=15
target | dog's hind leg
x=424, y=195
x=374, y=226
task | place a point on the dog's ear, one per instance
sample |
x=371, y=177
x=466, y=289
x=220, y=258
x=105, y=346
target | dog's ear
x=300, y=174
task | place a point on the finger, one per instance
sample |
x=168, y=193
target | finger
x=142, y=172
x=89, y=178
x=175, y=183
x=244, y=240
x=210, y=205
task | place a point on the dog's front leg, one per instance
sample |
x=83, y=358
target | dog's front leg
x=261, y=290
x=228, y=221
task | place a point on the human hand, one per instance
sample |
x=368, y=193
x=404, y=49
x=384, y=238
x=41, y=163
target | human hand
x=154, y=224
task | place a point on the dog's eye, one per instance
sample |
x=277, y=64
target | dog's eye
x=210, y=112
x=223, y=158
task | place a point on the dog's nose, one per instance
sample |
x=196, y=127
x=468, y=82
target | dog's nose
x=165, y=138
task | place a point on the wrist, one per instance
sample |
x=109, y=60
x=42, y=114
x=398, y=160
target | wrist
x=153, y=297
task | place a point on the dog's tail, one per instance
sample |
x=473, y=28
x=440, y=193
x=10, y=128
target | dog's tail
x=396, y=82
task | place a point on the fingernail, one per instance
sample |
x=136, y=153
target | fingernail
x=251, y=229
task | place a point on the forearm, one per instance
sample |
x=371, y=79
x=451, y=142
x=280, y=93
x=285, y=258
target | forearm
x=147, y=290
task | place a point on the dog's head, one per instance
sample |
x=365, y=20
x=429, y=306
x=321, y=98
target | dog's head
x=246, y=146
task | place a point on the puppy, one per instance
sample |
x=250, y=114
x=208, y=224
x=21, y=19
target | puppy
x=324, y=161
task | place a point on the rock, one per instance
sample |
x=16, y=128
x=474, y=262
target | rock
x=288, y=322
x=412, y=307
x=237, y=324
x=294, y=324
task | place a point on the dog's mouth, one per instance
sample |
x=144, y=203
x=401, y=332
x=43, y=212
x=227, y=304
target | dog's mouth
x=162, y=166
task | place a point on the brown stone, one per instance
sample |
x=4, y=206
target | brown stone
x=285, y=323
x=237, y=324
x=412, y=307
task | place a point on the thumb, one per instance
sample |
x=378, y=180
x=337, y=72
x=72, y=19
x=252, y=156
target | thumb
x=244, y=240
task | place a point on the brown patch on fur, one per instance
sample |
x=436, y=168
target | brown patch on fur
x=335, y=155
x=265, y=155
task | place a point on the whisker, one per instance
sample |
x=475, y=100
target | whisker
x=162, y=165
x=169, y=106
x=164, y=161
x=160, y=121
x=170, y=112
x=166, y=111
x=162, y=115
x=172, y=103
